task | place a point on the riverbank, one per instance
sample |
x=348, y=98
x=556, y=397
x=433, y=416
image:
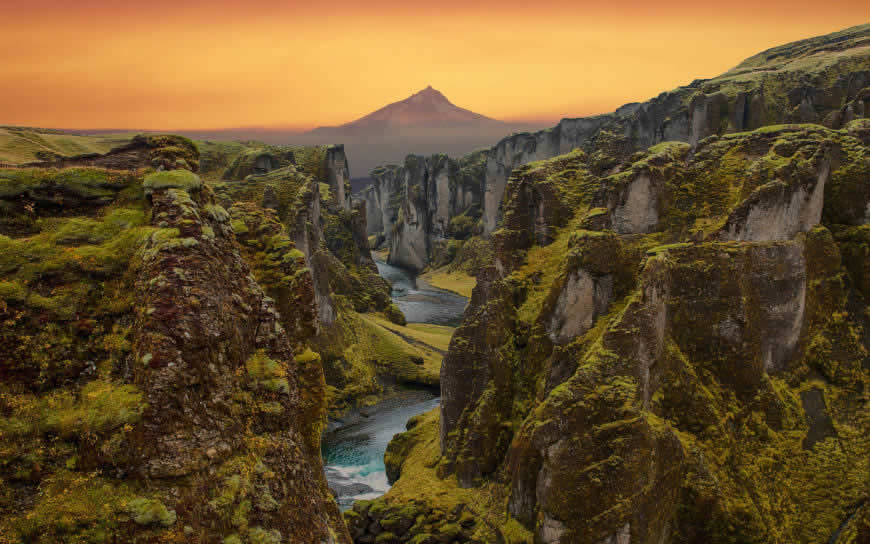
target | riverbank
x=354, y=443
x=353, y=447
x=455, y=282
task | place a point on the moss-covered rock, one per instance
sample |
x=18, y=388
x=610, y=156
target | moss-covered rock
x=150, y=390
x=184, y=180
x=681, y=367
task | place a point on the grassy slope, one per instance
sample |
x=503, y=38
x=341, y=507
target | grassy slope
x=20, y=145
x=426, y=341
x=456, y=282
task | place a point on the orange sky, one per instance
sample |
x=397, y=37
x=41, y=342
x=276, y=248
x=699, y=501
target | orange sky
x=163, y=64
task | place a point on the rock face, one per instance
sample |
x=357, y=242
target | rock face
x=327, y=164
x=410, y=207
x=622, y=345
x=330, y=242
x=821, y=80
x=152, y=385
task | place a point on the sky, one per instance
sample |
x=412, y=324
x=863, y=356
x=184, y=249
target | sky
x=192, y=65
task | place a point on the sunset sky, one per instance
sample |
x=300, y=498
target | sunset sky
x=163, y=64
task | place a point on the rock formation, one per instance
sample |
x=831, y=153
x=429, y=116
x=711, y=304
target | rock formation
x=671, y=344
x=153, y=383
x=412, y=208
x=684, y=367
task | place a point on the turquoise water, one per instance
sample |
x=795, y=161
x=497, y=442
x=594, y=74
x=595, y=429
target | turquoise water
x=354, y=453
x=353, y=449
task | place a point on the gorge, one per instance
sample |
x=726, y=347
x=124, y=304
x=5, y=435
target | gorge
x=667, y=338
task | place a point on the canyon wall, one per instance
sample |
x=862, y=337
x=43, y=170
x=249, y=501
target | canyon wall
x=822, y=80
x=671, y=345
x=409, y=208
x=155, y=380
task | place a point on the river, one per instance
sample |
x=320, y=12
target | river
x=353, y=447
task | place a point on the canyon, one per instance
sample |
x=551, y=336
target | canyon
x=667, y=339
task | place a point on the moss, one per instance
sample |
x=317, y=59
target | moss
x=12, y=291
x=307, y=357
x=267, y=373
x=150, y=512
x=72, y=507
x=457, y=282
x=81, y=181
x=395, y=315
x=173, y=179
x=100, y=407
x=239, y=227
x=258, y=535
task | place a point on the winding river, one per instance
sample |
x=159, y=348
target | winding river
x=353, y=447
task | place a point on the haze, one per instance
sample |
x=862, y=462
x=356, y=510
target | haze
x=218, y=64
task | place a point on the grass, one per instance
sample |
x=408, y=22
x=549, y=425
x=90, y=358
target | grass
x=20, y=145
x=429, y=336
x=544, y=263
x=456, y=282
x=397, y=347
x=419, y=483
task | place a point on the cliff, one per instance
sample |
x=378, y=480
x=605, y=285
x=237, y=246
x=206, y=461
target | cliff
x=415, y=207
x=677, y=352
x=821, y=80
x=154, y=387
x=670, y=345
x=352, y=313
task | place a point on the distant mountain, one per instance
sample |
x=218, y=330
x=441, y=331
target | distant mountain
x=424, y=123
x=428, y=107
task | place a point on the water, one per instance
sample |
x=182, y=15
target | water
x=424, y=304
x=353, y=448
x=354, y=452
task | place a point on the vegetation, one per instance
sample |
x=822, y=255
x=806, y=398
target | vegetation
x=456, y=282
x=20, y=145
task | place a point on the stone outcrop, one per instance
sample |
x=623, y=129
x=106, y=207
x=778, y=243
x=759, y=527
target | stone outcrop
x=410, y=207
x=159, y=151
x=326, y=164
x=153, y=384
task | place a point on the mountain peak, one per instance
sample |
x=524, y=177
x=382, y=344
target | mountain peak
x=426, y=107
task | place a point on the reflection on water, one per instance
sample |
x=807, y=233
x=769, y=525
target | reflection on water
x=422, y=305
x=353, y=452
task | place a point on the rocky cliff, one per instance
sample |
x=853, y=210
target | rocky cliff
x=676, y=352
x=154, y=387
x=671, y=345
x=822, y=80
x=361, y=358
x=415, y=207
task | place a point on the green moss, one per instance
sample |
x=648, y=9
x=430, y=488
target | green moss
x=100, y=407
x=86, y=182
x=173, y=179
x=239, y=227
x=258, y=535
x=267, y=373
x=150, y=512
x=12, y=291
